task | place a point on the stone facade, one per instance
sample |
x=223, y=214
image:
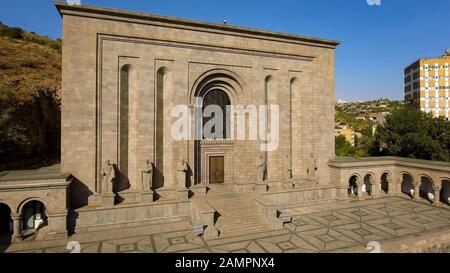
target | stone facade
x=181, y=57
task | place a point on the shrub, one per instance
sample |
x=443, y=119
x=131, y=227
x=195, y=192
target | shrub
x=29, y=63
x=15, y=32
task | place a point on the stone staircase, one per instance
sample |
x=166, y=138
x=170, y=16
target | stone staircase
x=238, y=213
x=220, y=189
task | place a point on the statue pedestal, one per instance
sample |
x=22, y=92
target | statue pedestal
x=167, y=193
x=276, y=186
x=199, y=190
x=211, y=232
x=95, y=200
x=288, y=185
x=147, y=196
x=261, y=187
x=108, y=200
x=183, y=194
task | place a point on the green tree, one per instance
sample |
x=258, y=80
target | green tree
x=414, y=134
x=343, y=147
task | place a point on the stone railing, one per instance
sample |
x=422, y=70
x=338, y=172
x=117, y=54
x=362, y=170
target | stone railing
x=377, y=176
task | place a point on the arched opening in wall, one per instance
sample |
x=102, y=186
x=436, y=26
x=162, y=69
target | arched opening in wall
x=6, y=224
x=121, y=182
x=216, y=119
x=426, y=190
x=291, y=116
x=445, y=192
x=268, y=98
x=161, y=86
x=407, y=185
x=384, y=183
x=211, y=94
x=367, y=184
x=353, y=186
x=33, y=217
x=124, y=121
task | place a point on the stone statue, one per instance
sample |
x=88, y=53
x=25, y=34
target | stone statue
x=261, y=169
x=108, y=174
x=312, y=168
x=182, y=173
x=430, y=196
x=287, y=168
x=147, y=176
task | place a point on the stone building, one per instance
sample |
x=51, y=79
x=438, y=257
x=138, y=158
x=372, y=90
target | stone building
x=124, y=72
x=128, y=77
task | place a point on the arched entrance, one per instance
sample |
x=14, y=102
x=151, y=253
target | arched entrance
x=367, y=185
x=5, y=224
x=407, y=185
x=353, y=186
x=215, y=126
x=384, y=183
x=426, y=190
x=213, y=148
x=33, y=216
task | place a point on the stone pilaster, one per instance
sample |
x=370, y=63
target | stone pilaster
x=437, y=197
x=360, y=193
x=17, y=228
x=147, y=196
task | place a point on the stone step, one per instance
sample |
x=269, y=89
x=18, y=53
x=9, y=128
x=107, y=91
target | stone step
x=227, y=232
x=246, y=220
x=260, y=226
x=239, y=227
x=239, y=215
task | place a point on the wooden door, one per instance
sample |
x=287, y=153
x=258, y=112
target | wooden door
x=216, y=169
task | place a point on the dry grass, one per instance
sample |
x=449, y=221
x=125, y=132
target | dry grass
x=28, y=68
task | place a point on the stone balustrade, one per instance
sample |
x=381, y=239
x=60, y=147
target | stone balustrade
x=423, y=180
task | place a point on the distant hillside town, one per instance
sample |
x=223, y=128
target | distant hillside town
x=354, y=120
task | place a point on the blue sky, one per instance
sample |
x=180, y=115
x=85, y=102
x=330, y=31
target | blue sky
x=377, y=41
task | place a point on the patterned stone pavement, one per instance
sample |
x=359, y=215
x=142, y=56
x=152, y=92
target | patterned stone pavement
x=350, y=225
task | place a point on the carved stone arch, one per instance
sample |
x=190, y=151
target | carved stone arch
x=402, y=173
x=9, y=205
x=439, y=181
x=31, y=199
x=408, y=184
x=6, y=219
x=369, y=181
x=388, y=172
x=354, y=183
x=372, y=175
x=426, y=176
x=385, y=182
x=358, y=180
x=444, y=194
x=222, y=87
x=218, y=77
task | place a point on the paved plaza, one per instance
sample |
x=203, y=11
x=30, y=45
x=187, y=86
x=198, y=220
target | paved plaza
x=350, y=226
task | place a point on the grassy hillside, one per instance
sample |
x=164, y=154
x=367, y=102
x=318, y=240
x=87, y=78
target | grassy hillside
x=30, y=80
